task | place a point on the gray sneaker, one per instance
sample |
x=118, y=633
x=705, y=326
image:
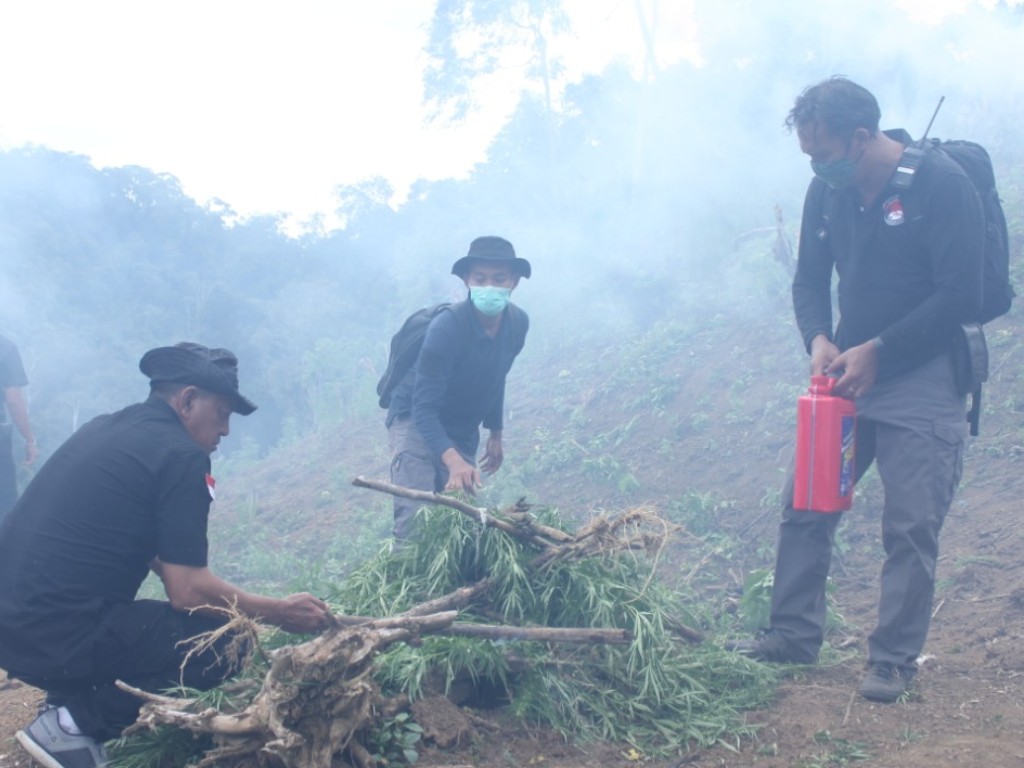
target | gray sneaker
x=886, y=682
x=53, y=747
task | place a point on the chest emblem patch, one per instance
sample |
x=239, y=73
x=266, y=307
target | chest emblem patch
x=211, y=486
x=892, y=211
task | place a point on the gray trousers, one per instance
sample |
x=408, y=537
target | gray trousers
x=8, y=475
x=914, y=427
x=413, y=466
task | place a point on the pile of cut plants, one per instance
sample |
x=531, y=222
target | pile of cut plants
x=483, y=610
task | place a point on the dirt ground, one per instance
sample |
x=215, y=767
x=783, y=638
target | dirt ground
x=967, y=708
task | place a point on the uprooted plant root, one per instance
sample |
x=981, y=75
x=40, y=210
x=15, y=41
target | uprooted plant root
x=315, y=698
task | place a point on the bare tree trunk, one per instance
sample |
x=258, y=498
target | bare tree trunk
x=647, y=32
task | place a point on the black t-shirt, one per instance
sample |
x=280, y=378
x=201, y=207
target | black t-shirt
x=909, y=265
x=127, y=487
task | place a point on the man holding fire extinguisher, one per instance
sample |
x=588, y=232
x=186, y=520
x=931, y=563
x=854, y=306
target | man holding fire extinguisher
x=909, y=266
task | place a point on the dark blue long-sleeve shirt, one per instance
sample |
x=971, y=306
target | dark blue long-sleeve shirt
x=458, y=381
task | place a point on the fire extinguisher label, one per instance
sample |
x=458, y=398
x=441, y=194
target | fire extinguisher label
x=847, y=466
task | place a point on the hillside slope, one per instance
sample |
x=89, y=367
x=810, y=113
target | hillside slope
x=696, y=419
x=693, y=417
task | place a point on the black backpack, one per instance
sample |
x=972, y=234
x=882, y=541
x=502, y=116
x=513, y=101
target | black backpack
x=406, y=344
x=405, y=347
x=970, y=351
x=977, y=165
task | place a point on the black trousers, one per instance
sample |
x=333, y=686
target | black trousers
x=139, y=643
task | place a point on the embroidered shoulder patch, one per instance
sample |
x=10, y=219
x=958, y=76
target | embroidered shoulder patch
x=892, y=211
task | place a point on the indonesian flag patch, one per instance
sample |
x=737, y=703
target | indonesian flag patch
x=211, y=486
x=892, y=211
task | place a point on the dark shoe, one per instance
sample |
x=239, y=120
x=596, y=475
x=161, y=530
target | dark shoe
x=53, y=747
x=772, y=647
x=886, y=682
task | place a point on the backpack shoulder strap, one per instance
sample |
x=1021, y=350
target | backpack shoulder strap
x=826, y=212
x=517, y=325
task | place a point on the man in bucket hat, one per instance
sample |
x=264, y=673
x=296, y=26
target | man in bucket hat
x=128, y=493
x=457, y=383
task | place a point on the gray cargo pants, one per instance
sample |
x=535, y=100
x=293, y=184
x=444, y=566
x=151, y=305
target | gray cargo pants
x=8, y=475
x=413, y=466
x=914, y=427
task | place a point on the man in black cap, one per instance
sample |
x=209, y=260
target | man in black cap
x=458, y=382
x=128, y=493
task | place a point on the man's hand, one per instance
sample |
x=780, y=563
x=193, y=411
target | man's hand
x=857, y=368
x=302, y=612
x=462, y=476
x=192, y=588
x=823, y=352
x=493, y=454
x=31, y=452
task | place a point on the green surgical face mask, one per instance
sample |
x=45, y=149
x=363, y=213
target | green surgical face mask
x=489, y=299
x=838, y=174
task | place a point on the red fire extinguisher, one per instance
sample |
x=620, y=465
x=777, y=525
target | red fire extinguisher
x=825, y=437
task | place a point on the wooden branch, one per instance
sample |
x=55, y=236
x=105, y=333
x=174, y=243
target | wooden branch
x=422, y=621
x=491, y=631
x=478, y=514
x=541, y=634
x=503, y=631
x=460, y=598
x=532, y=533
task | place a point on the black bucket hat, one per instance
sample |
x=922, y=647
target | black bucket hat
x=188, y=363
x=490, y=248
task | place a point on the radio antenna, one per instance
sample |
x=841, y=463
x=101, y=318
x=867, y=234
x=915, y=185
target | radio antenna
x=934, y=115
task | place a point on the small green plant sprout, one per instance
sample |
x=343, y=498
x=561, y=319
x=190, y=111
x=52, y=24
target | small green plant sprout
x=840, y=752
x=394, y=742
x=755, y=605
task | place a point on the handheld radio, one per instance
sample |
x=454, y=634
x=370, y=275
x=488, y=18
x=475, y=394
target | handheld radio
x=913, y=155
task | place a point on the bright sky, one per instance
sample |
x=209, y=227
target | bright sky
x=266, y=104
